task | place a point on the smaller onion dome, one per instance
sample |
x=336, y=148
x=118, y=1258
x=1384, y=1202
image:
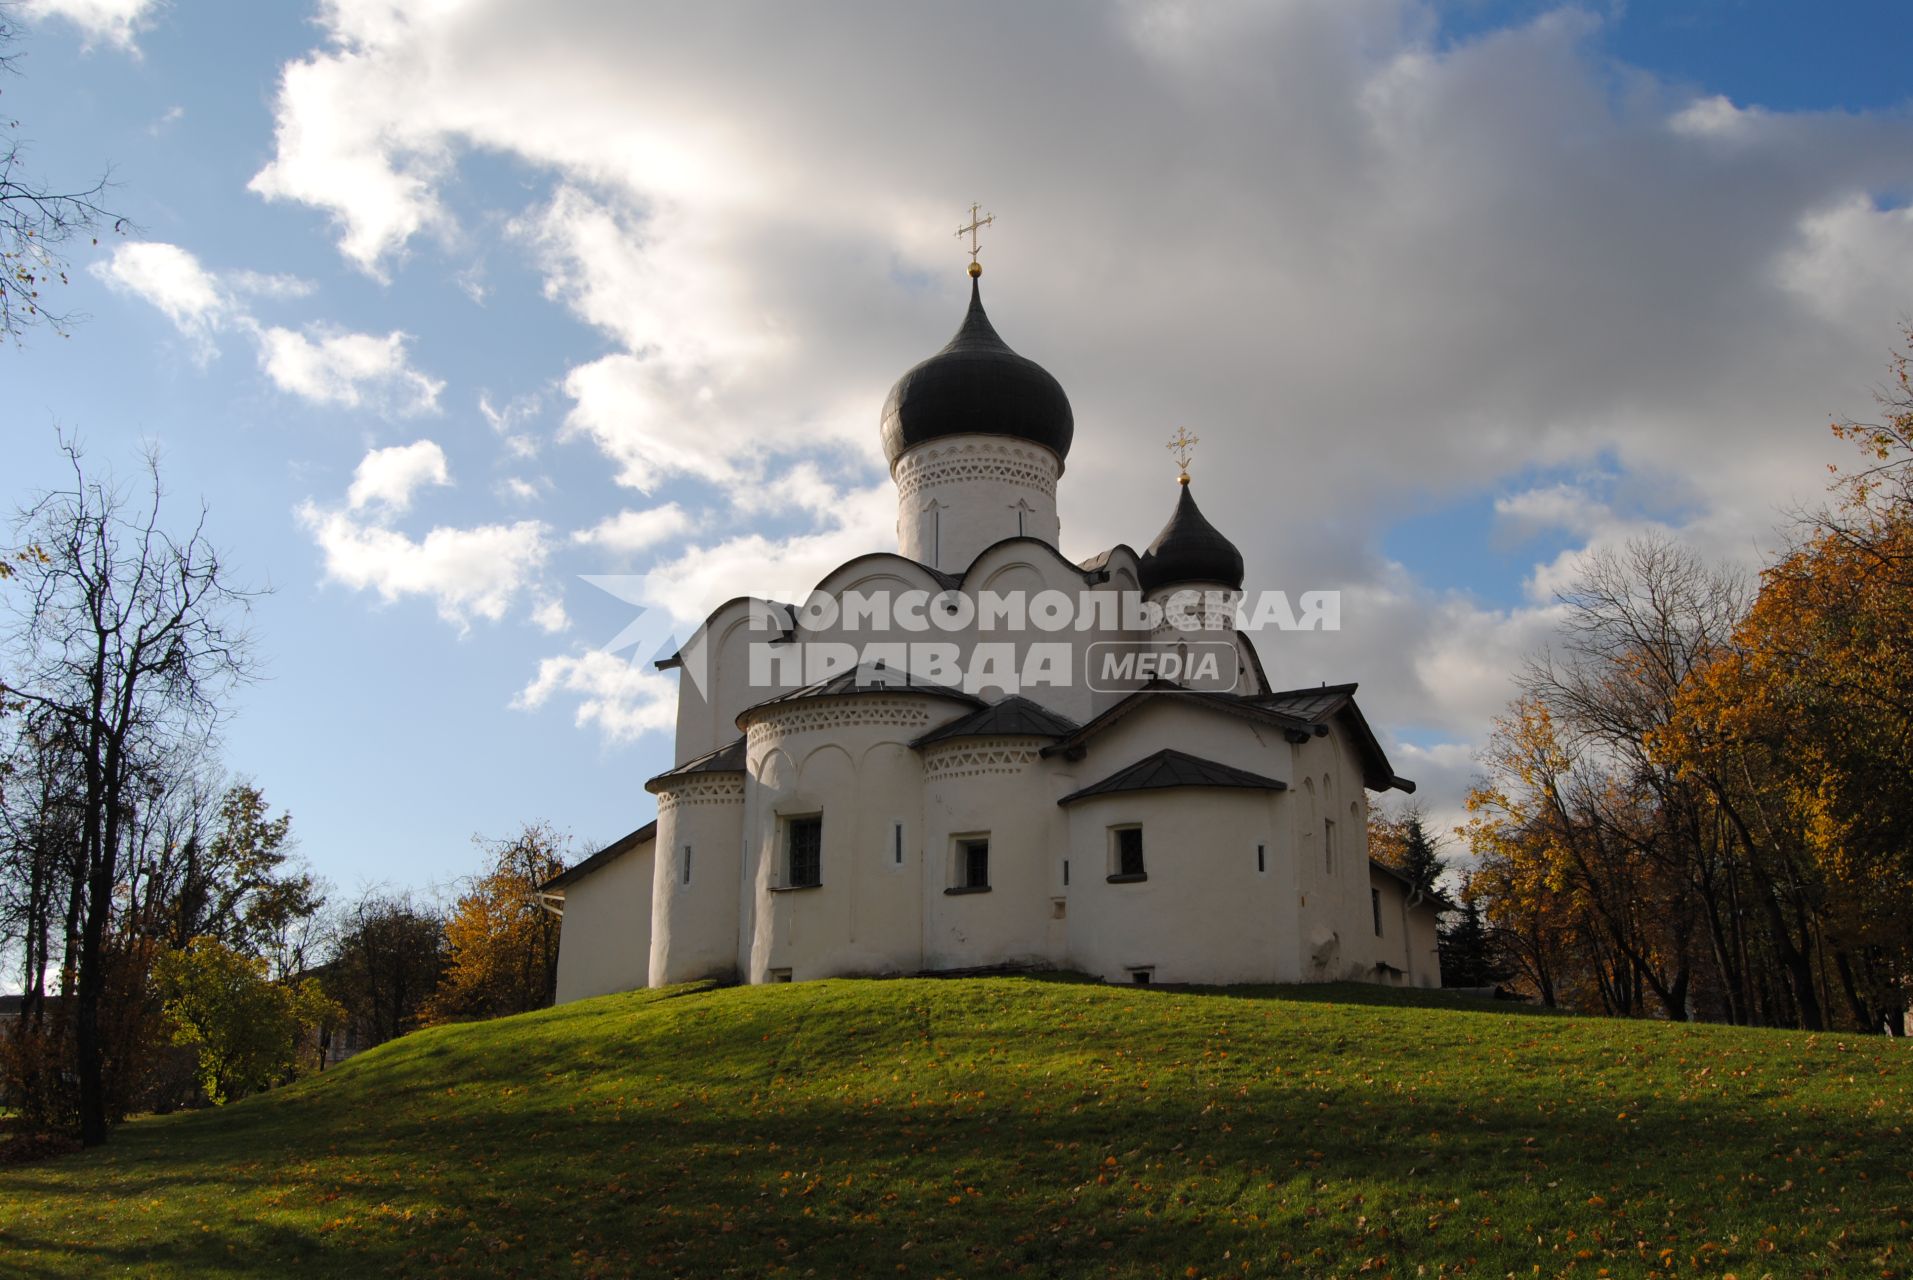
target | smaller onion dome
x=1189, y=549
x=976, y=384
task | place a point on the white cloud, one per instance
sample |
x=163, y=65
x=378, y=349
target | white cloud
x=509, y=422
x=353, y=370
x=519, y=489
x=633, y=531
x=466, y=573
x=620, y=697
x=550, y=616
x=699, y=579
x=172, y=280
x=117, y=22
x=389, y=477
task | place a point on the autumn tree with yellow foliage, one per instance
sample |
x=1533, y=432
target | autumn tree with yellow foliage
x=1702, y=807
x=503, y=942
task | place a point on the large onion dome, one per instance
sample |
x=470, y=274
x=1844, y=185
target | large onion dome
x=1189, y=549
x=977, y=385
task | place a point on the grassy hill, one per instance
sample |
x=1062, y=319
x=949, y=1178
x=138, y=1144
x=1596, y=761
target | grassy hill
x=1017, y=1126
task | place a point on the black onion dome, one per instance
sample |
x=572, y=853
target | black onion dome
x=976, y=384
x=1189, y=549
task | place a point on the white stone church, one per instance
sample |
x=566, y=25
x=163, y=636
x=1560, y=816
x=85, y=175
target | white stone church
x=959, y=782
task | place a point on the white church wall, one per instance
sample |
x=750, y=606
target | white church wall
x=707, y=716
x=847, y=760
x=887, y=921
x=995, y=789
x=1338, y=943
x=695, y=879
x=1205, y=913
x=1171, y=722
x=959, y=494
x=604, y=941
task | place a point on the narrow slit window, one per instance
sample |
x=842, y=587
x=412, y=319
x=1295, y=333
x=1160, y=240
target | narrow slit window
x=896, y=844
x=1261, y=859
x=684, y=867
x=1375, y=905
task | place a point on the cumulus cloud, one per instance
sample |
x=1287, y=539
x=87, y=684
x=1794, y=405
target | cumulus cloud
x=352, y=370
x=324, y=365
x=1364, y=260
x=619, y=696
x=633, y=531
x=117, y=22
x=389, y=477
x=171, y=279
x=466, y=573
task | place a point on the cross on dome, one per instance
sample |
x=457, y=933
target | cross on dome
x=976, y=224
x=1182, y=447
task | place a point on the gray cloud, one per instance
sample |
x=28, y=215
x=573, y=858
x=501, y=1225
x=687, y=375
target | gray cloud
x=1365, y=265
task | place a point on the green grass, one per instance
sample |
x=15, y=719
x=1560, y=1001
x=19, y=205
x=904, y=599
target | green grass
x=1017, y=1127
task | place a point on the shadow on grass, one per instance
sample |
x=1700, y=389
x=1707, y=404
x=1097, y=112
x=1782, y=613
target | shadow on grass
x=1021, y=1125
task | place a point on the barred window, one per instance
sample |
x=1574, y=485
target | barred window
x=804, y=851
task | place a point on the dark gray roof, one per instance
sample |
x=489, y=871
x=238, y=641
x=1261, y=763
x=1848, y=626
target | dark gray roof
x=870, y=677
x=1247, y=709
x=1170, y=768
x=603, y=857
x=1330, y=701
x=1308, y=704
x=1013, y=717
x=728, y=758
x=977, y=384
x=1189, y=549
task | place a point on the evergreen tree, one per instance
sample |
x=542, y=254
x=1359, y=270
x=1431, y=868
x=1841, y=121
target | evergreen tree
x=1419, y=861
x=1467, y=954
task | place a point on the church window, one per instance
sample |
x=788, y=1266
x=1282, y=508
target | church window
x=896, y=844
x=1066, y=873
x=1261, y=859
x=1375, y=905
x=684, y=866
x=970, y=864
x=1126, y=862
x=976, y=863
x=1328, y=845
x=804, y=851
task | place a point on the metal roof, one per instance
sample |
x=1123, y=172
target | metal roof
x=1171, y=768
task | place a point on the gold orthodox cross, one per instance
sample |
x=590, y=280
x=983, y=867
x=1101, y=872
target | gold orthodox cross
x=976, y=224
x=1182, y=446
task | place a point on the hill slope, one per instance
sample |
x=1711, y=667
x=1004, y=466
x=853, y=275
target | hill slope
x=1016, y=1126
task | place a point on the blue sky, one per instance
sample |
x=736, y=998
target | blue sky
x=1453, y=294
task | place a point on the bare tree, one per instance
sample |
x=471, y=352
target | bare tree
x=126, y=639
x=36, y=222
